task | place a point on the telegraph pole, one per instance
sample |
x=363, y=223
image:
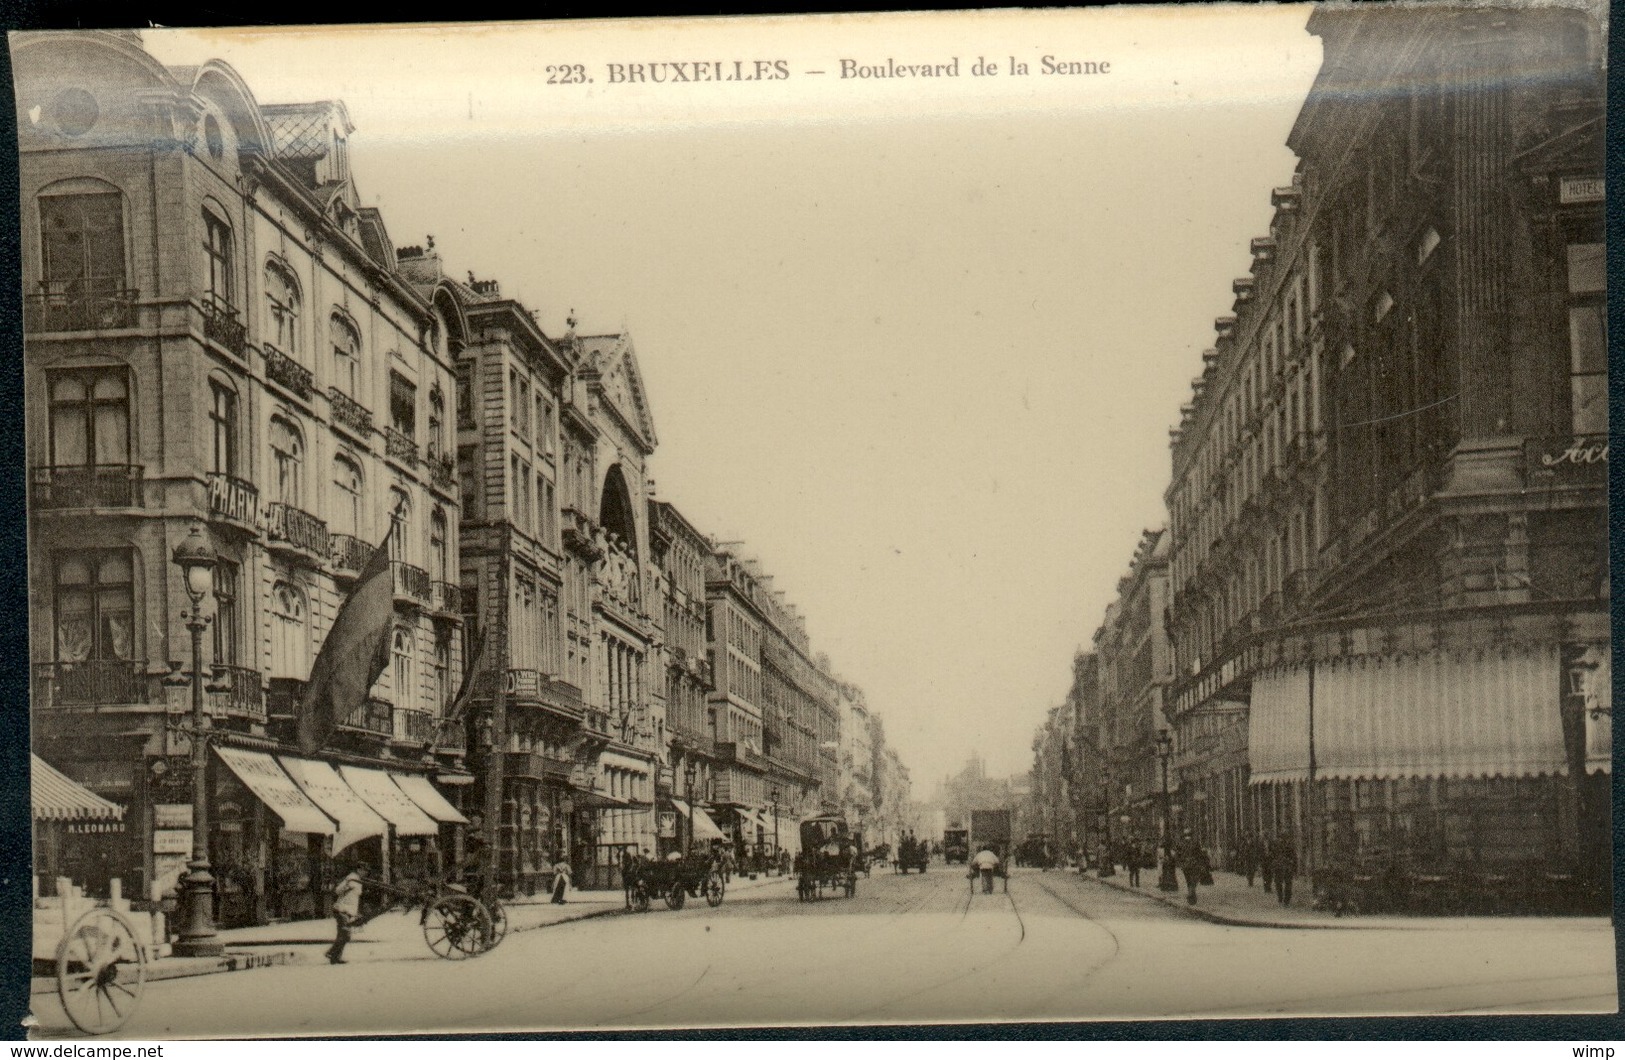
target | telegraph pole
x=498, y=729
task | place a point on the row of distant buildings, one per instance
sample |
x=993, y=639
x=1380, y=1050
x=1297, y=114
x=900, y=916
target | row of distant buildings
x=219, y=335
x=1377, y=619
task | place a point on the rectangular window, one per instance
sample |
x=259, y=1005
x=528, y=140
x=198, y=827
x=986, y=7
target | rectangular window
x=94, y=605
x=521, y=409
x=217, y=251
x=1588, y=343
x=223, y=417
x=468, y=478
x=544, y=426
x=403, y=405
x=82, y=243
x=228, y=621
x=465, y=396
x=90, y=417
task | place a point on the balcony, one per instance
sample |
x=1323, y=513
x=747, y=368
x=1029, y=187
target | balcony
x=237, y=690
x=62, y=305
x=372, y=716
x=580, y=534
x=349, y=413
x=534, y=688
x=233, y=499
x=400, y=447
x=411, y=584
x=222, y=326
x=296, y=532
x=536, y=766
x=90, y=683
x=288, y=373
x=442, y=470
x=414, y=726
x=282, y=698
x=349, y=555
x=97, y=486
x=446, y=600
x=451, y=739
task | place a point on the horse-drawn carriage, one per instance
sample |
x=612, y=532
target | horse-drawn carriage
x=830, y=857
x=913, y=854
x=676, y=881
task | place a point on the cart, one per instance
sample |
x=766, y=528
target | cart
x=676, y=881
x=101, y=971
x=456, y=925
x=829, y=858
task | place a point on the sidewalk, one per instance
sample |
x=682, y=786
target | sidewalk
x=1230, y=901
x=391, y=936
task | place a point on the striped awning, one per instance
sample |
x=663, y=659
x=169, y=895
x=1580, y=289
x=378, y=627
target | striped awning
x=430, y=801
x=1489, y=713
x=58, y=797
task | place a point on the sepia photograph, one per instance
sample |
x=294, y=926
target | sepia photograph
x=831, y=521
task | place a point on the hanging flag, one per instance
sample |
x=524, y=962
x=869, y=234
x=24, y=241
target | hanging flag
x=353, y=655
x=453, y=712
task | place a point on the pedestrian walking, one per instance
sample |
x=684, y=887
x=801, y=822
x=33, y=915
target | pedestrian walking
x=1249, y=857
x=1192, y=860
x=1266, y=846
x=1283, y=866
x=346, y=911
x=561, y=878
x=986, y=863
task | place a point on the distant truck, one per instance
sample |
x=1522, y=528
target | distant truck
x=955, y=845
x=990, y=829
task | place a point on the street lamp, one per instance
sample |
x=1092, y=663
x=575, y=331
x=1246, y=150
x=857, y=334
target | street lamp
x=1166, y=880
x=196, y=560
x=773, y=795
x=688, y=786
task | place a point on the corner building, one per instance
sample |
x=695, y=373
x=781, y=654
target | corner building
x=1387, y=502
x=218, y=335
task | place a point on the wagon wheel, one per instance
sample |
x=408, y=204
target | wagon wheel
x=456, y=927
x=101, y=971
x=714, y=889
x=677, y=896
x=640, y=897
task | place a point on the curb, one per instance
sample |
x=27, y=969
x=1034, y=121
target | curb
x=188, y=967
x=1229, y=920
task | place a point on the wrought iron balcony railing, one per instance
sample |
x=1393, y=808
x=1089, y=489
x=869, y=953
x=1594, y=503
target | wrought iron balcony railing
x=349, y=413
x=297, y=528
x=238, y=689
x=79, y=305
x=446, y=598
x=91, y=683
x=442, y=469
x=372, y=716
x=233, y=498
x=288, y=373
x=414, y=726
x=93, y=486
x=349, y=554
x=411, y=583
x=400, y=446
x=452, y=737
x=222, y=325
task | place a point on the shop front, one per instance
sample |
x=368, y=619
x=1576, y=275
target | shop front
x=267, y=840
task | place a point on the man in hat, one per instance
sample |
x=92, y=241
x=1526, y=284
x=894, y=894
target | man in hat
x=346, y=910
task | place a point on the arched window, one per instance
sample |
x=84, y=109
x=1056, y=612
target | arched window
x=288, y=459
x=347, y=497
x=290, y=635
x=437, y=420
x=346, y=354
x=401, y=651
x=437, y=546
x=217, y=279
x=282, y=308
x=223, y=421
x=400, y=518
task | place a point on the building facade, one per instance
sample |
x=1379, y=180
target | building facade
x=857, y=791
x=1389, y=562
x=218, y=336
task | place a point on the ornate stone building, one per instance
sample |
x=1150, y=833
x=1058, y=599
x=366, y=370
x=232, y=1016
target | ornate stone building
x=1388, y=500
x=219, y=336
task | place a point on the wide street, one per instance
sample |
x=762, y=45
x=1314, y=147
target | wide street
x=907, y=949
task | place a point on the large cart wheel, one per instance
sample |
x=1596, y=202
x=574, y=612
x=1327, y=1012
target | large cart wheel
x=457, y=927
x=101, y=970
x=714, y=889
x=677, y=897
x=640, y=897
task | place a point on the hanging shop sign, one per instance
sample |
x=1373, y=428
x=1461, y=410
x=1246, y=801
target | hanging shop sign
x=668, y=824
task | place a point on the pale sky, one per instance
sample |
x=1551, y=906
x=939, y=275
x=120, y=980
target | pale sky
x=919, y=342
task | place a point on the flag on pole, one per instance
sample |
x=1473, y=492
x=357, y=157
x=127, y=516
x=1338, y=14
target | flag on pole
x=353, y=655
x=453, y=712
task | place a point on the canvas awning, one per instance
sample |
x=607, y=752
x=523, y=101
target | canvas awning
x=58, y=797
x=390, y=802
x=270, y=784
x=430, y=801
x=704, y=828
x=1486, y=713
x=327, y=789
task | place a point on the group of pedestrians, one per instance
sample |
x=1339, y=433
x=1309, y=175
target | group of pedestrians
x=1274, y=857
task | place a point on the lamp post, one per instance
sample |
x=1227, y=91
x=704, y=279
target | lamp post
x=773, y=796
x=688, y=786
x=1166, y=880
x=197, y=938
